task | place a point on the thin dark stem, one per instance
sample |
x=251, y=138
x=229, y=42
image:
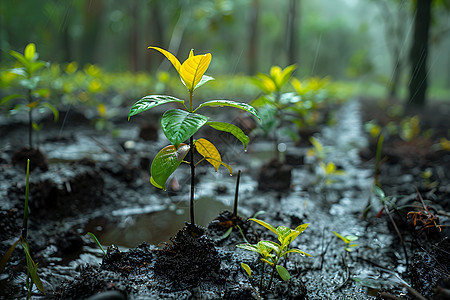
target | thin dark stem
x=261, y=278
x=398, y=233
x=191, y=204
x=236, y=195
x=191, y=145
x=25, y=210
x=30, y=119
x=271, y=276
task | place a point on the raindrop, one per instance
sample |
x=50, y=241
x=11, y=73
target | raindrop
x=282, y=147
x=245, y=150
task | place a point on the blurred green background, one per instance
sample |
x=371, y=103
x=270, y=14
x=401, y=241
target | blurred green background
x=361, y=42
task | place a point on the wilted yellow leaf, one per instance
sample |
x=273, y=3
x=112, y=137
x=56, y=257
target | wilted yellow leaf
x=211, y=154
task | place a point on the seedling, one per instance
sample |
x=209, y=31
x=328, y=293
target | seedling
x=27, y=73
x=272, y=252
x=275, y=106
x=32, y=275
x=180, y=125
x=94, y=238
x=348, y=240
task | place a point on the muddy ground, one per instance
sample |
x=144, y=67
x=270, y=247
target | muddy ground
x=99, y=183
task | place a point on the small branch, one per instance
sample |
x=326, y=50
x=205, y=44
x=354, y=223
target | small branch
x=398, y=233
x=191, y=203
x=347, y=274
x=236, y=195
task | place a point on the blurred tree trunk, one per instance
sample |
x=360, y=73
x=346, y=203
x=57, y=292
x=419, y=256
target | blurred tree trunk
x=155, y=31
x=65, y=44
x=253, y=38
x=93, y=11
x=291, y=32
x=419, y=54
x=134, y=37
x=394, y=25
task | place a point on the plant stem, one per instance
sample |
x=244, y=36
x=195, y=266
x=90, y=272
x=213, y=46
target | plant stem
x=236, y=195
x=25, y=210
x=271, y=276
x=191, y=145
x=191, y=203
x=30, y=119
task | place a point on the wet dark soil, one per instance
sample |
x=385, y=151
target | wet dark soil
x=94, y=179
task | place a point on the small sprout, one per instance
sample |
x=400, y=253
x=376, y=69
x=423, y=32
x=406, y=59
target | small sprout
x=348, y=239
x=247, y=270
x=272, y=252
x=97, y=242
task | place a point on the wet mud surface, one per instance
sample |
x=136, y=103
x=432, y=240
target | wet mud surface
x=99, y=183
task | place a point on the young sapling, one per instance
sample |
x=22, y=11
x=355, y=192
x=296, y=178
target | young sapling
x=271, y=252
x=32, y=275
x=27, y=73
x=180, y=125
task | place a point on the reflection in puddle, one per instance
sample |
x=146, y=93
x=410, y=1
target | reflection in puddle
x=155, y=227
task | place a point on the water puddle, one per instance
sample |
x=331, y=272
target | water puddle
x=130, y=227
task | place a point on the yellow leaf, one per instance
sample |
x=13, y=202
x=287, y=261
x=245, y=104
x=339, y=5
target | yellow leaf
x=30, y=51
x=101, y=108
x=33, y=104
x=209, y=152
x=193, y=68
x=175, y=62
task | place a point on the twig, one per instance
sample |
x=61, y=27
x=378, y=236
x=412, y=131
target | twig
x=398, y=233
x=117, y=155
x=347, y=275
x=414, y=292
x=236, y=195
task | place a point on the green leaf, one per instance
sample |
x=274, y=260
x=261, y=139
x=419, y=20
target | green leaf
x=36, y=65
x=96, y=241
x=227, y=233
x=53, y=109
x=378, y=192
x=36, y=126
x=205, y=79
x=284, y=274
x=32, y=267
x=233, y=129
x=274, y=246
x=267, y=261
x=179, y=125
x=302, y=227
x=248, y=247
x=296, y=251
x=7, y=255
x=166, y=162
x=282, y=233
x=149, y=102
x=20, y=58
x=8, y=98
x=267, y=225
x=240, y=105
x=247, y=269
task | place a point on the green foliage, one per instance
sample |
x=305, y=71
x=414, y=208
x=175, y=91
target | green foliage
x=272, y=252
x=180, y=125
x=94, y=238
x=32, y=275
x=26, y=76
x=277, y=109
x=348, y=239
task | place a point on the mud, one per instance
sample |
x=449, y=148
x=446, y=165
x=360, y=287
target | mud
x=95, y=180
